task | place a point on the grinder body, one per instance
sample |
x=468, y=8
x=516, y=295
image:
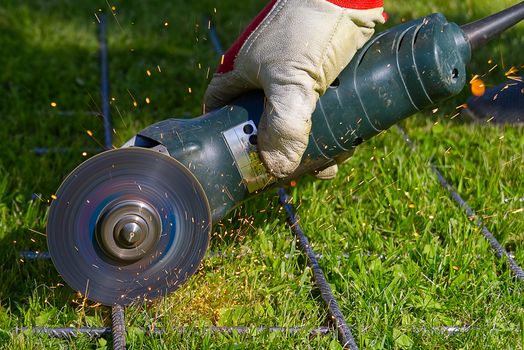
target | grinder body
x=396, y=74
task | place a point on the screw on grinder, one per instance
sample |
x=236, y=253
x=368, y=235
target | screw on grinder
x=134, y=223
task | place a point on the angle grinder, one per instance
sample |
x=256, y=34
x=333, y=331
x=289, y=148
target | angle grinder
x=133, y=223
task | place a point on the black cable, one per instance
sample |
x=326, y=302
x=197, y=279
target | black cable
x=497, y=247
x=344, y=332
x=478, y=33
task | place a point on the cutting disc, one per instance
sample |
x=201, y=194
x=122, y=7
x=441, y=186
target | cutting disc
x=128, y=224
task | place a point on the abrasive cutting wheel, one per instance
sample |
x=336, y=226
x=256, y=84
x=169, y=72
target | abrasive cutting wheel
x=128, y=224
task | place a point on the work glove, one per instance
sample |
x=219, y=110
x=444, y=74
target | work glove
x=293, y=50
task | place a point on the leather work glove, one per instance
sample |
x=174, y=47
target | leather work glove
x=293, y=50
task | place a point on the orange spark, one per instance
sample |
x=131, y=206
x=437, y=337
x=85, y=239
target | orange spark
x=477, y=86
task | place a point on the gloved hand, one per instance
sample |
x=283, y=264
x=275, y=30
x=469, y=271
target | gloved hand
x=293, y=50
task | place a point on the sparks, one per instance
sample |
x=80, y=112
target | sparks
x=512, y=71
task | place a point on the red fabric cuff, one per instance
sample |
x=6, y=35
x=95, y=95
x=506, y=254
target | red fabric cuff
x=358, y=4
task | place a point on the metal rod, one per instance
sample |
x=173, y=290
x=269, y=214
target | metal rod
x=213, y=35
x=30, y=255
x=104, y=80
x=62, y=150
x=495, y=245
x=344, y=332
x=480, y=32
x=66, y=332
x=118, y=329
x=97, y=332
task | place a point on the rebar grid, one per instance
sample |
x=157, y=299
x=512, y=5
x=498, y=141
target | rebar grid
x=344, y=332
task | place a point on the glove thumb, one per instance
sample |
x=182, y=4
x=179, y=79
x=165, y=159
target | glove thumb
x=286, y=123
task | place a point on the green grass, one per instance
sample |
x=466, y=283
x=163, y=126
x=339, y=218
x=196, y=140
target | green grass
x=402, y=258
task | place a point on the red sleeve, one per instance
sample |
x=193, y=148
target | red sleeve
x=358, y=4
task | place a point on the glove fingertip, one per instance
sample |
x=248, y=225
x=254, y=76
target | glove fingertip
x=278, y=164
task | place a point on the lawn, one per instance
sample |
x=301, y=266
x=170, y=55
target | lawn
x=403, y=259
